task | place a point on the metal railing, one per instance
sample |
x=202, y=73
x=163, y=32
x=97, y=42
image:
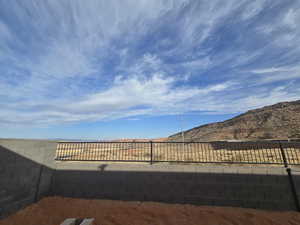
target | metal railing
x=260, y=152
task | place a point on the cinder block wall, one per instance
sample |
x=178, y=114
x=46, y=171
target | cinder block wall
x=295, y=171
x=28, y=172
x=263, y=188
x=26, y=168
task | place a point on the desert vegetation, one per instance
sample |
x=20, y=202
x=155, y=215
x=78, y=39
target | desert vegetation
x=214, y=152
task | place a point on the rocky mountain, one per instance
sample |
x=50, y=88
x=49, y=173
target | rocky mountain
x=279, y=121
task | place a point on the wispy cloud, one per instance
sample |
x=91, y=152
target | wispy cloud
x=273, y=74
x=271, y=70
x=73, y=61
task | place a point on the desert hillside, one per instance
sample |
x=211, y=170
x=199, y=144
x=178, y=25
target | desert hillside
x=279, y=121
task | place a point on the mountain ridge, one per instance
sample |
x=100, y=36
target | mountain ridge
x=278, y=121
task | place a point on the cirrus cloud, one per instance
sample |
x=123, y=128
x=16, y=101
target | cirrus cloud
x=73, y=61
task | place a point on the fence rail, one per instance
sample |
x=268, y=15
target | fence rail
x=263, y=152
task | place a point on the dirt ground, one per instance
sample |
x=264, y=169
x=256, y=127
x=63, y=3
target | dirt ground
x=172, y=152
x=53, y=210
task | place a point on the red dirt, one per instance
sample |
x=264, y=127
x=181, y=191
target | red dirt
x=53, y=210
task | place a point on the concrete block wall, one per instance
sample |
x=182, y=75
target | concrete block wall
x=28, y=172
x=26, y=169
x=295, y=171
x=263, y=188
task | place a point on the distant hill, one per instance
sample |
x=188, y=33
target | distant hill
x=140, y=139
x=279, y=121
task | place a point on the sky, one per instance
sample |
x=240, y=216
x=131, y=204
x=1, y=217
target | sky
x=98, y=69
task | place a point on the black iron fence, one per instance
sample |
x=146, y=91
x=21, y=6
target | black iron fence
x=261, y=152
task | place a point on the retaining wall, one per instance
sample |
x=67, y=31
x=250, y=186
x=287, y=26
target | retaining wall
x=296, y=178
x=26, y=169
x=263, y=188
x=28, y=172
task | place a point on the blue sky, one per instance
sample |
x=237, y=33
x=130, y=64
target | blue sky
x=111, y=69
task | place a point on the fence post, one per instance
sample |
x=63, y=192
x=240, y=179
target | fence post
x=151, y=152
x=283, y=155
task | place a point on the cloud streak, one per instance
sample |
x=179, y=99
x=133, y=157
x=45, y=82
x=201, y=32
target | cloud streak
x=74, y=61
